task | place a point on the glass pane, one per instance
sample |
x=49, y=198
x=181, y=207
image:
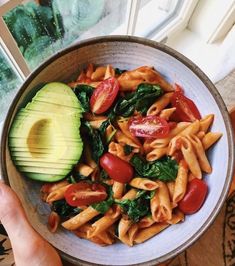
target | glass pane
x=154, y=14
x=42, y=27
x=9, y=83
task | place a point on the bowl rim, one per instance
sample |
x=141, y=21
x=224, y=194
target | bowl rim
x=188, y=63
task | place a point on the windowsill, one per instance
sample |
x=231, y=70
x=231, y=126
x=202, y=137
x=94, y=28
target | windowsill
x=217, y=60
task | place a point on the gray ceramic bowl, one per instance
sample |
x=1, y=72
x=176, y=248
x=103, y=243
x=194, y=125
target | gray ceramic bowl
x=128, y=53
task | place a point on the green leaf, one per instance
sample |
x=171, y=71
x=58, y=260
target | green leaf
x=137, y=208
x=95, y=140
x=64, y=210
x=103, y=206
x=140, y=100
x=119, y=71
x=164, y=169
x=83, y=93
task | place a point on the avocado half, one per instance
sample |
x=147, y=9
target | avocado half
x=44, y=138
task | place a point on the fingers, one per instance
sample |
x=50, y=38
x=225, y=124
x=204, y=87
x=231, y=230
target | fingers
x=28, y=246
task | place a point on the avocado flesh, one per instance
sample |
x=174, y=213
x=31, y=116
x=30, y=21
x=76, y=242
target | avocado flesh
x=51, y=124
x=48, y=160
x=44, y=165
x=43, y=170
x=56, y=87
x=44, y=139
x=53, y=108
x=44, y=177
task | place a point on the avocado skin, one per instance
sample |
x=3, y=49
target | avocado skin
x=44, y=138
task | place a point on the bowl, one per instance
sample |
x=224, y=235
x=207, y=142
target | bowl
x=127, y=52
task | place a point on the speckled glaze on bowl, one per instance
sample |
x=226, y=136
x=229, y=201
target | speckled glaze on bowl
x=128, y=53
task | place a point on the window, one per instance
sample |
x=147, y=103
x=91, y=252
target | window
x=10, y=80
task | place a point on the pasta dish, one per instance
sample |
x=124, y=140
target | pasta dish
x=143, y=158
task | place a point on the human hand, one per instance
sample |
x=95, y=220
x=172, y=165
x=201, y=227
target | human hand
x=29, y=248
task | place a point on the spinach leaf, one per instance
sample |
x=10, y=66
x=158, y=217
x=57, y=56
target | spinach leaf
x=83, y=93
x=105, y=124
x=127, y=149
x=147, y=94
x=64, y=210
x=140, y=100
x=104, y=205
x=164, y=169
x=95, y=140
x=137, y=208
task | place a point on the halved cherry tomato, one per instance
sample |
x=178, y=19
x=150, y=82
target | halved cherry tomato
x=104, y=95
x=84, y=193
x=186, y=110
x=116, y=168
x=194, y=197
x=151, y=126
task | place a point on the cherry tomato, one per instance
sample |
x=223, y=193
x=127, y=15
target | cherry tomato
x=149, y=127
x=194, y=197
x=104, y=95
x=116, y=168
x=84, y=193
x=186, y=110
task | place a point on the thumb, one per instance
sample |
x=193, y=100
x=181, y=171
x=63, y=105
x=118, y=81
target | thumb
x=26, y=243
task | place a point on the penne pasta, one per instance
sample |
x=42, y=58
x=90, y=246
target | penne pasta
x=90, y=70
x=192, y=129
x=118, y=189
x=80, y=219
x=181, y=181
x=53, y=222
x=156, y=154
x=57, y=194
x=145, y=222
x=143, y=183
x=129, y=80
x=177, y=216
x=160, y=104
x=206, y=122
x=83, y=169
x=146, y=233
x=109, y=72
x=104, y=223
x=166, y=113
x=210, y=138
x=201, y=155
x=190, y=157
x=123, y=125
x=99, y=73
x=160, y=204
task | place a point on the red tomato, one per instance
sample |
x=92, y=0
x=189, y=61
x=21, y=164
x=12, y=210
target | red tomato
x=104, y=95
x=84, y=193
x=116, y=168
x=186, y=110
x=149, y=127
x=194, y=197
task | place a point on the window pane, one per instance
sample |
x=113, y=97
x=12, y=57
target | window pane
x=154, y=14
x=42, y=27
x=9, y=83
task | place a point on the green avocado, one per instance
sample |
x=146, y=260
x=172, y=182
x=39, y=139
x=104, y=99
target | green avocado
x=44, y=177
x=44, y=138
x=53, y=108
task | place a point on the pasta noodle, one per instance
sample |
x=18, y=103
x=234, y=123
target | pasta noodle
x=146, y=233
x=143, y=183
x=160, y=204
x=80, y=219
x=180, y=182
x=160, y=104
